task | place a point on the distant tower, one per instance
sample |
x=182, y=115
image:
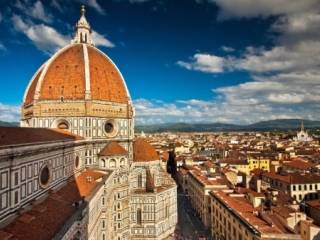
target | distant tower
x=302, y=135
x=83, y=29
x=302, y=126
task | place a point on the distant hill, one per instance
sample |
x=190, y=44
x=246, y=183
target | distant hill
x=278, y=124
x=9, y=124
x=284, y=124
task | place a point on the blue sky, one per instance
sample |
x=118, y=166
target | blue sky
x=237, y=61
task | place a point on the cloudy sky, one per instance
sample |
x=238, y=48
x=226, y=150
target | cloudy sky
x=237, y=61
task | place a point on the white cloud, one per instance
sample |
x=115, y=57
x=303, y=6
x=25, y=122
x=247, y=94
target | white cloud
x=36, y=11
x=101, y=40
x=262, y=8
x=282, y=58
x=56, y=4
x=278, y=58
x=204, y=63
x=45, y=38
x=285, y=78
x=227, y=49
x=9, y=113
x=193, y=110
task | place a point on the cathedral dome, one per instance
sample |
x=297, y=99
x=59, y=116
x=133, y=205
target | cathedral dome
x=144, y=151
x=79, y=89
x=78, y=72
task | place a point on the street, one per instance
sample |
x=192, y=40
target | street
x=189, y=225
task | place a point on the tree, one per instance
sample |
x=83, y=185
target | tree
x=172, y=164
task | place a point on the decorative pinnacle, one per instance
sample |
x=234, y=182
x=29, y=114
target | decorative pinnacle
x=302, y=125
x=82, y=10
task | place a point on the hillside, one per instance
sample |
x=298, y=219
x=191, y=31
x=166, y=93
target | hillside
x=278, y=124
x=9, y=124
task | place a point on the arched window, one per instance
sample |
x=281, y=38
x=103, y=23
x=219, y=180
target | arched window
x=140, y=180
x=139, y=216
x=77, y=162
x=103, y=163
x=122, y=162
x=81, y=38
x=112, y=163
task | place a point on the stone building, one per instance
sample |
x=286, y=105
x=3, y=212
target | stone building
x=200, y=184
x=74, y=169
x=299, y=186
x=234, y=217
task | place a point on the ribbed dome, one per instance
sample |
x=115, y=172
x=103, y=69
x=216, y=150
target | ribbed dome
x=144, y=151
x=113, y=149
x=77, y=72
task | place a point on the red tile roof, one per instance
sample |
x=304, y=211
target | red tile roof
x=19, y=135
x=113, y=149
x=44, y=220
x=143, y=151
x=245, y=211
x=299, y=164
x=314, y=203
x=208, y=181
x=293, y=178
x=65, y=75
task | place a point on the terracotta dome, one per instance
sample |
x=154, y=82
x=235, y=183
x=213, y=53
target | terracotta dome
x=78, y=72
x=144, y=151
x=113, y=149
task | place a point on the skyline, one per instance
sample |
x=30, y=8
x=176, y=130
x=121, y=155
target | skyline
x=190, y=62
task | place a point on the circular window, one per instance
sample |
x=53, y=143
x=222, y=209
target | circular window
x=44, y=176
x=77, y=162
x=110, y=128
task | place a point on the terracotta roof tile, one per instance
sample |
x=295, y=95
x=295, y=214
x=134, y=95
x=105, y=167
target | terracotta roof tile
x=19, y=135
x=59, y=207
x=293, y=178
x=106, y=81
x=314, y=203
x=299, y=164
x=113, y=149
x=65, y=76
x=143, y=151
x=246, y=211
x=32, y=88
